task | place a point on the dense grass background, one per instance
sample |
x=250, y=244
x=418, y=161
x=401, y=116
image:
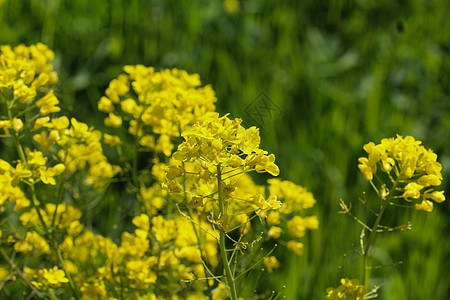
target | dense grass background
x=343, y=73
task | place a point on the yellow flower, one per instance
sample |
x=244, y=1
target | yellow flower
x=4, y=273
x=410, y=166
x=147, y=141
x=425, y=205
x=295, y=247
x=220, y=140
x=135, y=128
x=231, y=5
x=111, y=140
x=5, y=125
x=113, y=121
x=195, y=202
x=296, y=226
x=349, y=289
x=48, y=104
x=273, y=218
x=142, y=221
x=59, y=124
x=39, y=123
x=274, y=232
x=17, y=124
x=271, y=263
x=164, y=145
x=47, y=174
x=130, y=106
x=105, y=105
x=54, y=277
x=33, y=241
x=437, y=196
x=46, y=278
x=412, y=190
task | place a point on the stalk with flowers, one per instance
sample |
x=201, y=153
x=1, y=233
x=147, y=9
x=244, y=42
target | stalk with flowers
x=200, y=224
x=404, y=174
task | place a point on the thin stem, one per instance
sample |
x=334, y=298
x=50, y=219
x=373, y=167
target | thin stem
x=16, y=138
x=34, y=204
x=135, y=161
x=373, y=233
x=17, y=270
x=223, y=253
x=60, y=197
x=72, y=283
x=205, y=268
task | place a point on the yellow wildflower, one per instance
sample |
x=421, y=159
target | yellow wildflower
x=271, y=263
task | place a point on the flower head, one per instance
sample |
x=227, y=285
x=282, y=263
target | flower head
x=406, y=162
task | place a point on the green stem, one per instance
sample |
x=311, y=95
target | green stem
x=72, y=283
x=17, y=270
x=60, y=197
x=205, y=268
x=373, y=233
x=16, y=139
x=223, y=252
x=34, y=204
x=135, y=162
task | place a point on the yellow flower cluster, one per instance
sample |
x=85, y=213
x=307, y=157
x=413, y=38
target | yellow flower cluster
x=348, y=290
x=77, y=146
x=46, y=278
x=25, y=77
x=192, y=201
x=162, y=103
x=27, y=71
x=287, y=220
x=33, y=170
x=219, y=140
x=218, y=144
x=157, y=257
x=9, y=177
x=410, y=167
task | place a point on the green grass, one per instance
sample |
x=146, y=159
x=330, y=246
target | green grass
x=344, y=73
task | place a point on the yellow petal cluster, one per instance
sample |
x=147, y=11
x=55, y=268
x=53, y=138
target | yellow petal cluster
x=350, y=289
x=27, y=71
x=410, y=164
x=46, y=278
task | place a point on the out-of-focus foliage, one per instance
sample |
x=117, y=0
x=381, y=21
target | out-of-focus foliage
x=343, y=73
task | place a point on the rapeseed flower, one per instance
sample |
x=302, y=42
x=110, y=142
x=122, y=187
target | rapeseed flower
x=409, y=165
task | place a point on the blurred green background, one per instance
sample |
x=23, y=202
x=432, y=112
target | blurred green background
x=342, y=73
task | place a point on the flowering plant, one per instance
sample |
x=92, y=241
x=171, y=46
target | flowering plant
x=197, y=219
x=403, y=173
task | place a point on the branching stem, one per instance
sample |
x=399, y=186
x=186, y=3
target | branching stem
x=371, y=240
x=223, y=252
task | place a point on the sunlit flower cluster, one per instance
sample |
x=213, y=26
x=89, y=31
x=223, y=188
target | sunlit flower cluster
x=410, y=167
x=196, y=211
x=220, y=145
x=155, y=105
x=27, y=71
x=287, y=222
x=350, y=289
x=78, y=147
x=47, y=278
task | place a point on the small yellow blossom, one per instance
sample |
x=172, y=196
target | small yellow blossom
x=274, y=232
x=17, y=124
x=295, y=247
x=271, y=263
x=4, y=273
x=415, y=169
x=48, y=104
x=111, y=140
x=349, y=289
x=113, y=120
